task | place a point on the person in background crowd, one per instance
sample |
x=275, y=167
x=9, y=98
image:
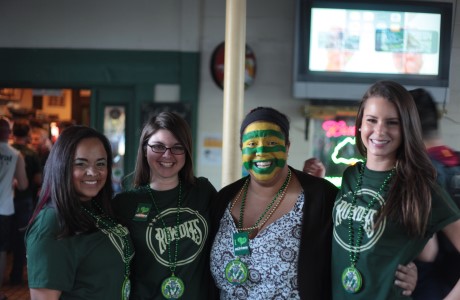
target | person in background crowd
x=272, y=229
x=39, y=140
x=12, y=175
x=439, y=263
x=24, y=201
x=315, y=167
x=390, y=204
x=75, y=247
x=168, y=214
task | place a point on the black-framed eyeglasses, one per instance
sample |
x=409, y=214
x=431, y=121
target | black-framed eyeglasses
x=159, y=148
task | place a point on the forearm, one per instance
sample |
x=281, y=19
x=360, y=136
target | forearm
x=44, y=294
x=454, y=293
x=430, y=251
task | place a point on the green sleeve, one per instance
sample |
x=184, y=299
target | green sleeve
x=50, y=262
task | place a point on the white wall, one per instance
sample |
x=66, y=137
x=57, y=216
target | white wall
x=192, y=25
x=102, y=24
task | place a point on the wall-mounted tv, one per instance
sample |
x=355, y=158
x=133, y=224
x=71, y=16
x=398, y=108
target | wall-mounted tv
x=341, y=47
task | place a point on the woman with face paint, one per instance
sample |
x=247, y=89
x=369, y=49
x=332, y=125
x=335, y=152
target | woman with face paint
x=168, y=215
x=273, y=238
x=75, y=247
x=272, y=228
x=389, y=205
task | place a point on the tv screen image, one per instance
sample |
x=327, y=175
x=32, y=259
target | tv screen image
x=342, y=47
x=372, y=41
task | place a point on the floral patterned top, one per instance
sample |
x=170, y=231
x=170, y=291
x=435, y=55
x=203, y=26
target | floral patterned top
x=272, y=263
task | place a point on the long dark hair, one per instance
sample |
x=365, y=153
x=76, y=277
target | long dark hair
x=409, y=199
x=58, y=189
x=181, y=131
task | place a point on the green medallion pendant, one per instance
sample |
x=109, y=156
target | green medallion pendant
x=126, y=289
x=352, y=280
x=236, y=272
x=172, y=287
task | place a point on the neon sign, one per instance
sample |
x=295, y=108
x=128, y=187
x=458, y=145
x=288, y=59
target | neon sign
x=339, y=129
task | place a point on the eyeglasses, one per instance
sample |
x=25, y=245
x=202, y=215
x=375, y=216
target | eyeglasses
x=159, y=148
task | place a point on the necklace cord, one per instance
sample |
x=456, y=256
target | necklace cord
x=108, y=225
x=355, y=245
x=172, y=263
x=270, y=209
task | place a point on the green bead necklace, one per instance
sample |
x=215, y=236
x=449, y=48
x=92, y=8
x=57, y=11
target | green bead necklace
x=236, y=271
x=279, y=195
x=351, y=277
x=172, y=287
x=109, y=226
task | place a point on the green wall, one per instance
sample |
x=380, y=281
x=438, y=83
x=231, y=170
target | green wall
x=116, y=77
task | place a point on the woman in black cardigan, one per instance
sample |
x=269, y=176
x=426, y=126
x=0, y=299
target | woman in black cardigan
x=272, y=229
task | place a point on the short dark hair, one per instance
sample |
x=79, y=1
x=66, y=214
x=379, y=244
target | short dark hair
x=21, y=128
x=426, y=107
x=4, y=129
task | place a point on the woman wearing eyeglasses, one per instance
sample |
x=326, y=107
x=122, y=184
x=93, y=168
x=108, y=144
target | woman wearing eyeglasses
x=167, y=213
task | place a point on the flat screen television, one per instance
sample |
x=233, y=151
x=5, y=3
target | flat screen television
x=341, y=47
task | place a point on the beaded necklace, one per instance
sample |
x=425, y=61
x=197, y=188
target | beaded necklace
x=236, y=271
x=172, y=287
x=262, y=219
x=109, y=226
x=351, y=277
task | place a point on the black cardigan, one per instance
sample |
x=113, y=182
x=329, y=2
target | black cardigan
x=314, y=269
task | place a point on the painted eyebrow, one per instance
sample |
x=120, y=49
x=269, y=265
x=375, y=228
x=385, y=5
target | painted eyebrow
x=265, y=132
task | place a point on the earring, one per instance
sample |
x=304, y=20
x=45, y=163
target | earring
x=359, y=129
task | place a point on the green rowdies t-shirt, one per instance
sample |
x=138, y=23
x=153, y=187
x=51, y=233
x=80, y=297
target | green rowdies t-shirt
x=83, y=267
x=384, y=247
x=151, y=264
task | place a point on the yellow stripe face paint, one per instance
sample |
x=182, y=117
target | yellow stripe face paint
x=263, y=149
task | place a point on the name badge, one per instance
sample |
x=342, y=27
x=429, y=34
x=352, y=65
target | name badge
x=142, y=211
x=241, y=243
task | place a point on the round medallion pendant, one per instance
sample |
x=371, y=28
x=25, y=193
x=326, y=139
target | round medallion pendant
x=172, y=287
x=352, y=280
x=236, y=272
x=126, y=289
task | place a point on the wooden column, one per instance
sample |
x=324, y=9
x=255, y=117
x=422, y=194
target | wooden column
x=235, y=47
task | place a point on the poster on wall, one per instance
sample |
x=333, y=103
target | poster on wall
x=211, y=153
x=114, y=130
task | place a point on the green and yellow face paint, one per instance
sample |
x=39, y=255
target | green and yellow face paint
x=264, y=150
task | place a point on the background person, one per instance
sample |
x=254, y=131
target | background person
x=39, y=140
x=315, y=167
x=167, y=213
x=75, y=248
x=24, y=201
x=12, y=174
x=439, y=264
x=389, y=205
